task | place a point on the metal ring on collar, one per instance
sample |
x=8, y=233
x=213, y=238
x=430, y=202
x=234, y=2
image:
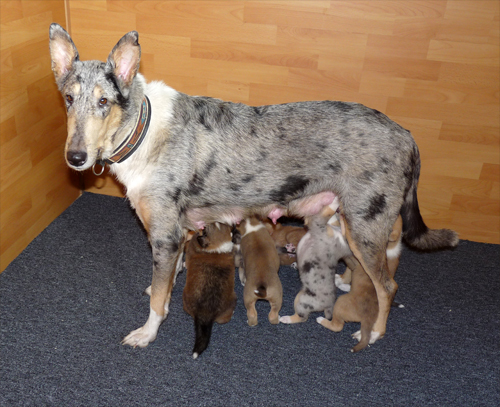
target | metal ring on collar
x=103, y=166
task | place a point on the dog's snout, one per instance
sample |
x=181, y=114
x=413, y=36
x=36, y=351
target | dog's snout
x=77, y=158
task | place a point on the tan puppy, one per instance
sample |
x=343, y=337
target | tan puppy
x=361, y=304
x=286, y=238
x=259, y=269
x=209, y=292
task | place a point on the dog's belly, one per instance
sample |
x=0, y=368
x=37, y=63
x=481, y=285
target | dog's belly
x=197, y=218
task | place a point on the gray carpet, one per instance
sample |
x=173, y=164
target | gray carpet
x=70, y=297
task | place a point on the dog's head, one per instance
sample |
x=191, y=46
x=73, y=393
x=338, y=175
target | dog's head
x=216, y=238
x=96, y=94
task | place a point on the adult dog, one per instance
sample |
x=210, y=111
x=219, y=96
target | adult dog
x=187, y=160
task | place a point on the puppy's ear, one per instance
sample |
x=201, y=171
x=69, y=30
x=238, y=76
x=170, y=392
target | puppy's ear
x=124, y=60
x=63, y=52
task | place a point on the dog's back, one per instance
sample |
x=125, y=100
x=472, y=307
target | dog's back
x=209, y=292
x=261, y=264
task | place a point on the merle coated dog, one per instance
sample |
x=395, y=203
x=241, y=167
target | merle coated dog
x=186, y=161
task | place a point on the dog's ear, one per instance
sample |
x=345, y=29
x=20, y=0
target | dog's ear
x=62, y=51
x=124, y=60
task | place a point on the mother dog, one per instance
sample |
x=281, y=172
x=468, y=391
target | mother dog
x=188, y=160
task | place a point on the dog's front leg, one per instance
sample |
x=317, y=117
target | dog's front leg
x=166, y=254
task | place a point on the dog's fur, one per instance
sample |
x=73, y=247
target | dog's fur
x=360, y=304
x=209, y=294
x=206, y=160
x=286, y=238
x=318, y=254
x=258, y=270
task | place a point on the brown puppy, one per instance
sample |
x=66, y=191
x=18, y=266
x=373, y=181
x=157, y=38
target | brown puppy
x=286, y=238
x=209, y=292
x=259, y=270
x=361, y=304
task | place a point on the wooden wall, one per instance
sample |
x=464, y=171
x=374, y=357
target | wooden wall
x=35, y=184
x=433, y=66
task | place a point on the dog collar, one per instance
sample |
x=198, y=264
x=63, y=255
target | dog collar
x=128, y=146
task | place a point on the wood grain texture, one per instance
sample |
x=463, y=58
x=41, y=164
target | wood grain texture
x=431, y=65
x=35, y=184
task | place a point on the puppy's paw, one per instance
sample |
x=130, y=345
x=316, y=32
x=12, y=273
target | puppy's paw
x=341, y=285
x=140, y=337
x=286, y=319
x=374, y=337
x=357, y=335
x=147, y=291
x=320, y=319
x=294, y=265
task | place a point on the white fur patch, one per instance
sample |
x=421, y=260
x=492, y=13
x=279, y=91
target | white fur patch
x=374, y=337
x=144, y=335
x=250, y=228
x=341, y=285
x=224, y=248
x=319, y=319
x=286, y=320
x=395, y=251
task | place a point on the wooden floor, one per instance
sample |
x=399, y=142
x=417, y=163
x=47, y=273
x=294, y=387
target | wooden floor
x=431, y=65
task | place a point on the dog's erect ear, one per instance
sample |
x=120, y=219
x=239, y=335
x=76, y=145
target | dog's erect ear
x=124, y=60
x=62, y=51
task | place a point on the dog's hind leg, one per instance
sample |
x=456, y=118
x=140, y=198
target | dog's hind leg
x=371, y=253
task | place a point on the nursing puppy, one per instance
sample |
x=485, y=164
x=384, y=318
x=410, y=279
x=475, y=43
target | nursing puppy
x=259, y=270
x=286, y=238
x=209, y=295
x=318, y=254
x=186, y=161
x=360, y=304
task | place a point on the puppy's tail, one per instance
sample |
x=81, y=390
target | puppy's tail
x=261, y=291
x=366, y=330
x=416, y=232
x=203, y=333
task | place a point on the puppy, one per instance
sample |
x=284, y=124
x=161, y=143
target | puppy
x=286, y=238
x=209, y=292
x=259, y=270
x=317, y=256
x=361, y=304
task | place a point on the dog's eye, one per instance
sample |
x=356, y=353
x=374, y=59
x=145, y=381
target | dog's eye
x=103, y=101
x=69, y=98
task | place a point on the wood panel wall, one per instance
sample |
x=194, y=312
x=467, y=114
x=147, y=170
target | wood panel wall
x=35, y=184
x=432, y=66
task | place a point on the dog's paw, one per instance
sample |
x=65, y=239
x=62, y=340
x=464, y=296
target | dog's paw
x=320, y=319
x=374, y=337
x=294, y=265
x=286, y=319
x=357, y=335
x=141, y=337
x=341, y=285
x=147, y=291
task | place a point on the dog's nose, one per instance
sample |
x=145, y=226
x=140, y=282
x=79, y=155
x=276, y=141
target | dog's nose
x=77, y=158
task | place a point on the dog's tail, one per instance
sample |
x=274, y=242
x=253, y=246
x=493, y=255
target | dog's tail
x=415, y=231
x=261, y=291
x=366, y=330
x=203, y=331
